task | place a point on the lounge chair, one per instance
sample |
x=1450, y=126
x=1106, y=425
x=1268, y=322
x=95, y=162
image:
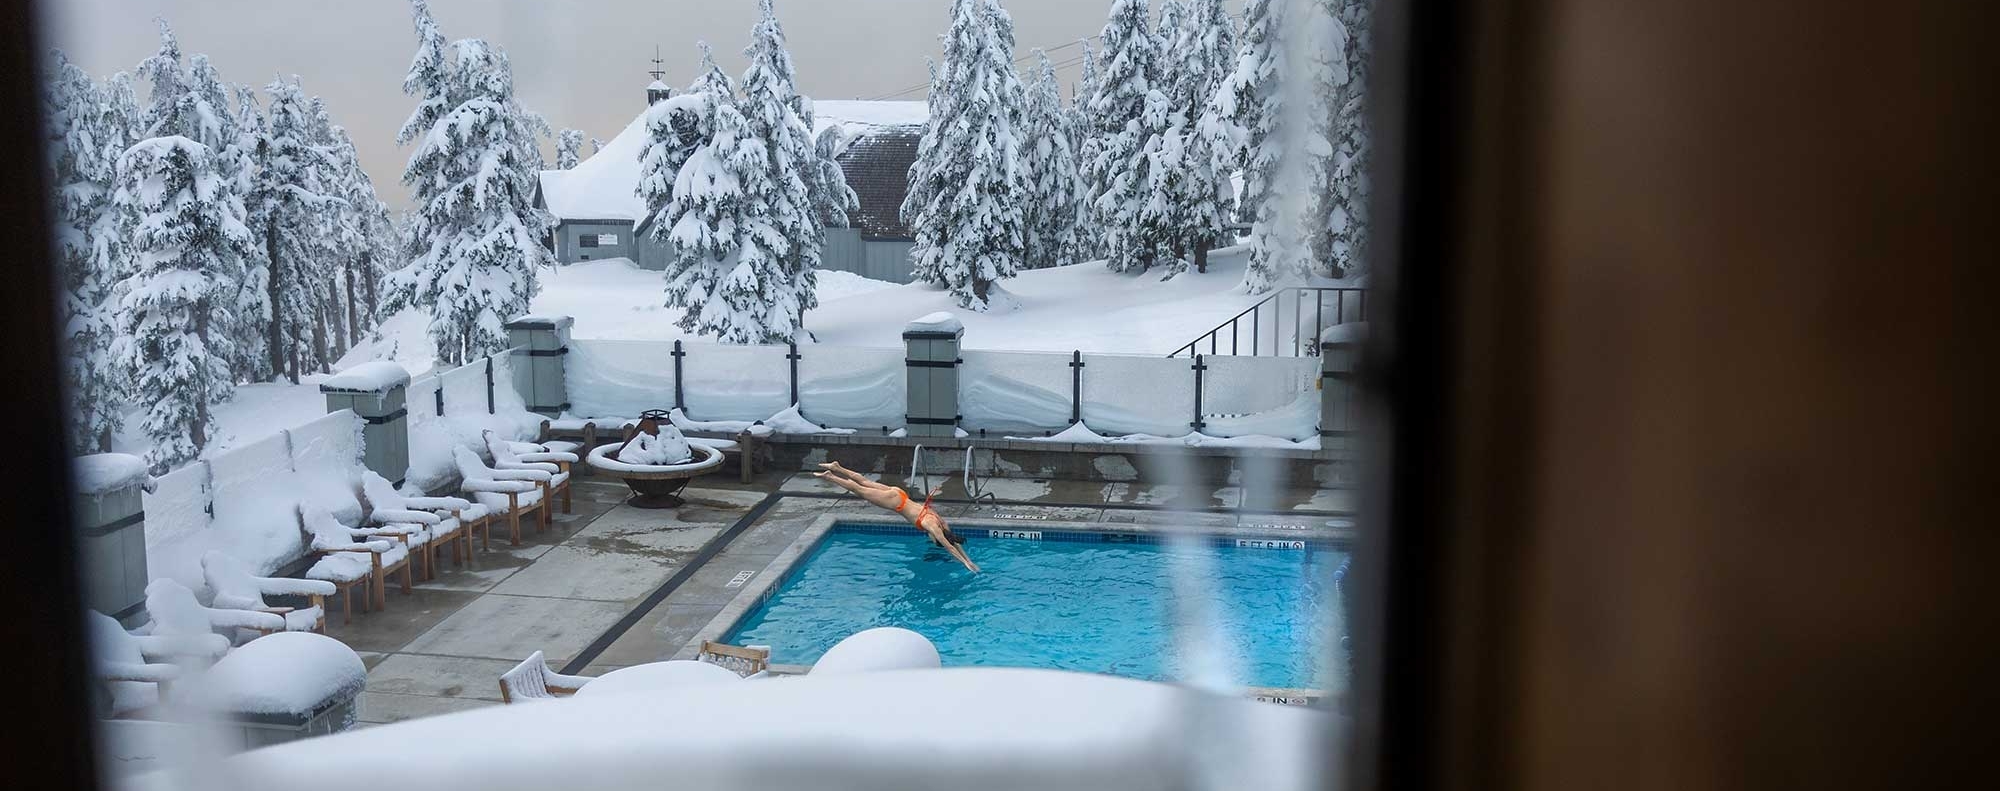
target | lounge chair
x=133, y=677
x=509, y=492
x=533, y=680
x=530, y=456
x=441, y=521
x=233, y=587
x=178, y=615
x=748, y=661
x=348, y=563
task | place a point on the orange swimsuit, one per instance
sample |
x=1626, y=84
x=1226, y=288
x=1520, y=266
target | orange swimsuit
x=903, y=499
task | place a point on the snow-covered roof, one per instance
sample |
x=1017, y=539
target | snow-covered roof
x=605, y=186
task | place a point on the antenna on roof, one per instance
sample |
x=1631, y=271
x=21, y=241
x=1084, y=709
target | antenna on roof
x=657, y=72
x=658, y=90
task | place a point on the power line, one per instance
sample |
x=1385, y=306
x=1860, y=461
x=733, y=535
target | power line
x=924, y=86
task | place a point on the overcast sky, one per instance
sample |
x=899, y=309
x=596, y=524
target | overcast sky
x=580, y=64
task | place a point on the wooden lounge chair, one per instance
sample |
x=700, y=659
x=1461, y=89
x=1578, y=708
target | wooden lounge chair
x=533, y=680
x=348, y=563
x=503, y=492
x=134, y=670
x=745, y=661
x=529, y=456
x=436, y=520
x=178, y=614
x=233, y=587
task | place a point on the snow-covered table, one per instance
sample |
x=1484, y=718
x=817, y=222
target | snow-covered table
x=656, y=675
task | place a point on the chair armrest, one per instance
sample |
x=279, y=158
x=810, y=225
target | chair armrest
x=437, y=503
x=375, y=547
x=519, y=474
x=286, y=586
x=276, y=610
x=559, y=682
x=384, y=516
x=165, y=646
x=132, y=671
x=498, y=487
x=540, y=466
x=547, y=457
x=245, y=619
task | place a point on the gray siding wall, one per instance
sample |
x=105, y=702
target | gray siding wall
x=569, y=252
x=843, y=250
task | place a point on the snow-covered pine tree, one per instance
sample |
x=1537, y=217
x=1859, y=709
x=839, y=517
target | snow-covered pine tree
x=363, y=239
x=1055, y=194
x=475, y=237
x=1088, y=238
x=969, y=174
x=258, y=358
x=336, y=320
x=675, y=128
x=1190, y=177
x=1348, y=221
x=832, y=199
x=1117, y=173
x=917, y=195
x=1319, y=57
x=294, y=203
x=569, y=148
x=1242, y=120
x=86, y=134
x=770, y=103
x=596, y=144
x=184, y=225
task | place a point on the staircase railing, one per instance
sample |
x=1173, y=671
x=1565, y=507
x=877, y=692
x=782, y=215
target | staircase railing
x=1267, y=329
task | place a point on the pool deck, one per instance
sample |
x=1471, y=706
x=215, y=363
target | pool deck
x=610, y=586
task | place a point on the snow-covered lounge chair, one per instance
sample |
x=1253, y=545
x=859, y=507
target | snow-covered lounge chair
x=233, y=587
x=748, y=661
x=129, y=666
x=178, y=615
x=442, y=521
x=530, y=456
x=508, y=492
x=349, y=564
x=533, y=680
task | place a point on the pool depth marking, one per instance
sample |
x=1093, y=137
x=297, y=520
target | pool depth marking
x=1024, y=535
x=1269, y=543
x=740, y=578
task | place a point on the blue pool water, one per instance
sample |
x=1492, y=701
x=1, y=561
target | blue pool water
x=1076, y=605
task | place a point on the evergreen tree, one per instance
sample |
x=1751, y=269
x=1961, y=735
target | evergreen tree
x=569, y=148
x=184, y=225
x=257, y=354
x=1348, y=221
x=1319, y=54
x=1054, y=187
x=1243, y=121
x=596, y=144
x=792, y=173
x=1189, y=175
x=363, y=240
x=1089, y=238
x=968, y=174
x=86, y=132
x=475, y=238
x=675, y=128
x=832, y=199
x=295, y=204
x=1118, y=174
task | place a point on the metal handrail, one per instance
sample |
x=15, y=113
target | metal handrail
x=1302, y=345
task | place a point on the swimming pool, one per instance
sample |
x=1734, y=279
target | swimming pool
x=1099, y=602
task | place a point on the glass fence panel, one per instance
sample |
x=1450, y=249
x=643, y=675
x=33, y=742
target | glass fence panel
x=1130, y=394
x=848, y=387
x=1019, y=392
x=464, y=389
x=255, y=499
x=730, y=382
x=619, y=378
x=177, y=524
x=1267, y=396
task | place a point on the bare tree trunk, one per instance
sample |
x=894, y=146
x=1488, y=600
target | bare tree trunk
x=1201, y=255
x=353, y=308
x=319, y=339
x=374, y=299
x=104, y=441
x=274, y=334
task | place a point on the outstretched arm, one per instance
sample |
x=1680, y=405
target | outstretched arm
x=959, y=552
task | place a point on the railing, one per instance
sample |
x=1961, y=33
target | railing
x=1347, y=304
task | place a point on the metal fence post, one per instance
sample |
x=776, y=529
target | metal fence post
x=1076, y=387
x=792, y=354
x=438, y=395
x=680, y=401
x=1200, y=365
x=489, y=384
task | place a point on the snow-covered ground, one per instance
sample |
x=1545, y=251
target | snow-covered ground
x=1083, y=307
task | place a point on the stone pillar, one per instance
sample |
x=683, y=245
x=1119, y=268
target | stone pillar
x=375, y=391
x=931, y=360
x=111, y=532
x=541, y=344
x=1339, y=349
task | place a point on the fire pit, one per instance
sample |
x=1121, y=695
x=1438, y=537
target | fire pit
x=653, y=485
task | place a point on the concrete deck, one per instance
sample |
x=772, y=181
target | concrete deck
x=442, y=648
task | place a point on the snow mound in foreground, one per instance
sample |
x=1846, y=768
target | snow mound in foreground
x=967, y=729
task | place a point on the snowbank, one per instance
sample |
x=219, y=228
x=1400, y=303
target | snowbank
x=1081, y=434
x=668, y=447
x=102, y=473
x=968, y=729
x=878, y=649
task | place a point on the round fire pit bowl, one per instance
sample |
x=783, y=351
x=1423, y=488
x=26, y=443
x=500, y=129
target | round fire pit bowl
x=654, y=485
